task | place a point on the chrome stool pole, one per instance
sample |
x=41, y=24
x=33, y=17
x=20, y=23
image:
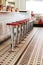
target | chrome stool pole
x=23, y=31
x=16, y=38
x=12, y=38
x=28, y=26
x=20, y=33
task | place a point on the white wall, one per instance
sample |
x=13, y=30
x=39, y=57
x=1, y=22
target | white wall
x=16, y=3
x=21, y=4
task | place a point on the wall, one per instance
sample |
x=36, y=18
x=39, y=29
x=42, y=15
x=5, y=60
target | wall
x=16, y=3
x=21, y=4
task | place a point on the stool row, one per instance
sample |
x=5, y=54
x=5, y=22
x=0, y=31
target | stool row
x=21, y=28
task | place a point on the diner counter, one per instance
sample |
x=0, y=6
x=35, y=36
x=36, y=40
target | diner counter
x=6, y=17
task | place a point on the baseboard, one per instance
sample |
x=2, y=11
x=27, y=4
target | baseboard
x=5, y=40
x=38, y=25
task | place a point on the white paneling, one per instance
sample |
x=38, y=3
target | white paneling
x=21, y=4
x=16, y=3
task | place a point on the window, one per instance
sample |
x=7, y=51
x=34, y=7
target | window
x=36, y=6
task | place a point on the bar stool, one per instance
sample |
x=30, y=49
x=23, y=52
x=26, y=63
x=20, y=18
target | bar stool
x=24, y=28
x=21, y=30
x=27, y=25
x=31, y=25
x=13, y=39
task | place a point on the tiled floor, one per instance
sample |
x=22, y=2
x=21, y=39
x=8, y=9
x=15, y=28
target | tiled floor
x=34, y=53
x=10, y=58
x=37, y=54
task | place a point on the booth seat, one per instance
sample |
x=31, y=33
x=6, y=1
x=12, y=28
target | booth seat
x=40, y=21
